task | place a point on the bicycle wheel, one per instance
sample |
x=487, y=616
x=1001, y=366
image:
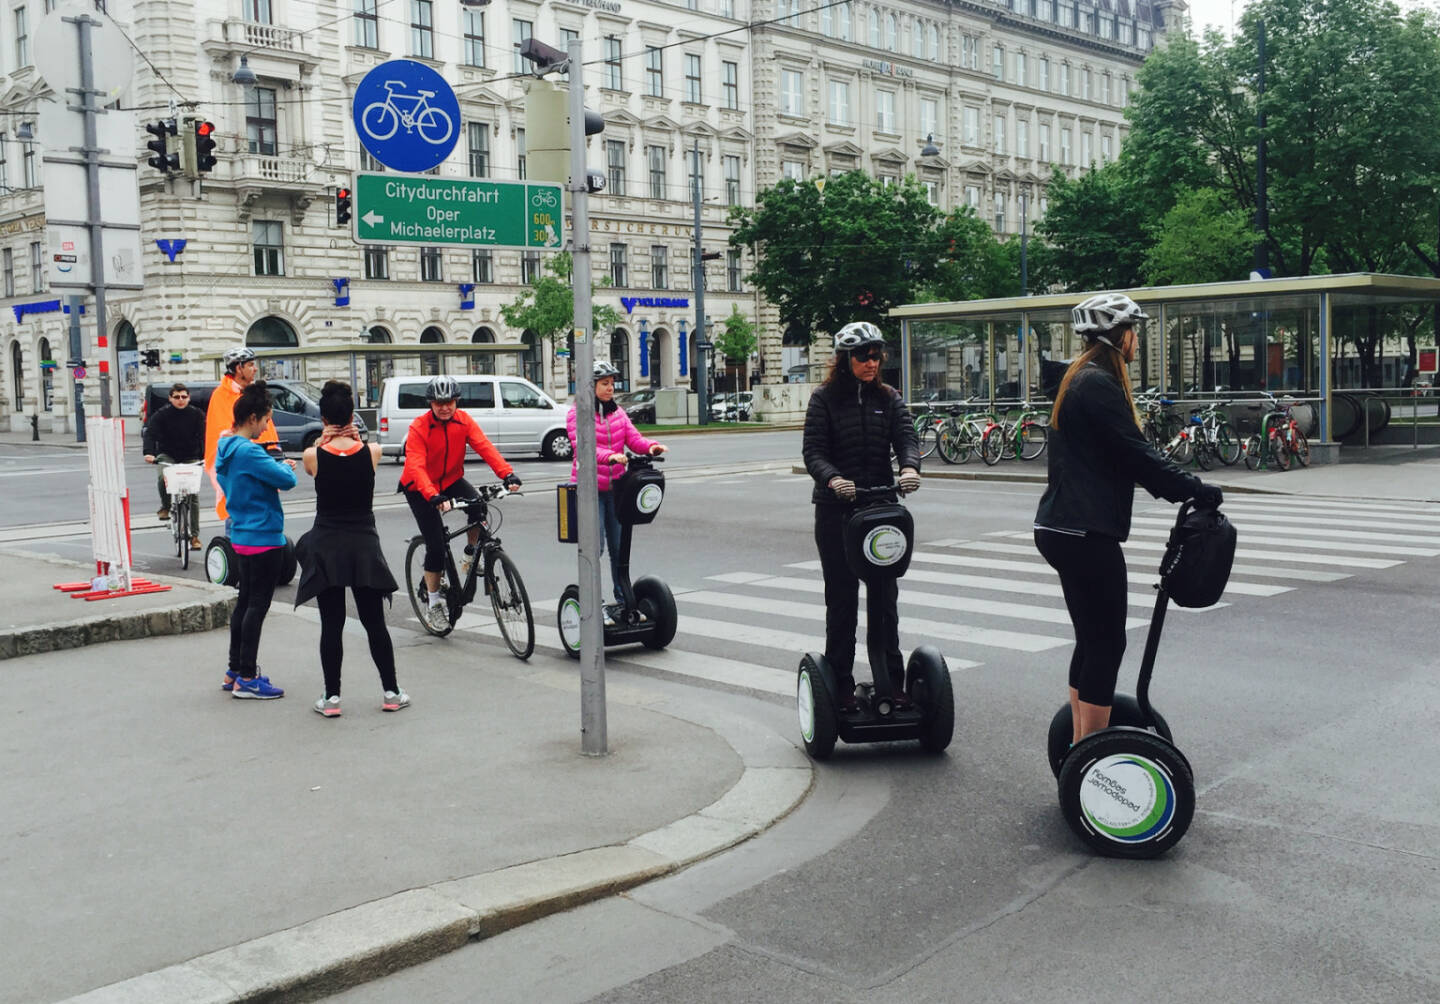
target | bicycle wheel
x=434, y=126
x=379, y=120
x=1204, y=455
x=992, y=445
x=1033, y=437
x=1227, y=444
x=415, y=585
x=952, y=451
x=1279, y=453
x=928, y=438
x=1251, y=451
x=1300, y=448
x=511, y=604
x=1180, y=449
x=182, y=532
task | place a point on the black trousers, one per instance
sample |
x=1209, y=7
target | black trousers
x=369, y=605
x=1094, y=580
x=258, y=576
x=431, y=524
x=842, y=605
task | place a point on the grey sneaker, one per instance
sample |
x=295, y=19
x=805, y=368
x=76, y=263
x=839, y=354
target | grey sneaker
x=393, y=700
x=328, y=706
x=438, y=617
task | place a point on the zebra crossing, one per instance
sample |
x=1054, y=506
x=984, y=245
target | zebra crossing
x=983, y=598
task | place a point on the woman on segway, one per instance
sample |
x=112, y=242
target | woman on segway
x=1097, y=457
x=853, y=424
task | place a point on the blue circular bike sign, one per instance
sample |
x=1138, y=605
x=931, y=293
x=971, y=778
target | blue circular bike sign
x=406, y=115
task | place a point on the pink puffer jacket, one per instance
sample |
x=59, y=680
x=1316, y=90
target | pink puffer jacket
x=613, y=432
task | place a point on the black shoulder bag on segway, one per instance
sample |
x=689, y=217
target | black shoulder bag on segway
x=879, y=540
x=647, y=614
x=1127, y=790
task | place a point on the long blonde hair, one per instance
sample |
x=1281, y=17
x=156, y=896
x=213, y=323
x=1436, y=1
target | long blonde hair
x=1107, y=356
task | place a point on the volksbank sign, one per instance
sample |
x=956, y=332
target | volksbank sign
x=631, y=302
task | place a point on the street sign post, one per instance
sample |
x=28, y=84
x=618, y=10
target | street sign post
x=457, y=212
x=406, y=115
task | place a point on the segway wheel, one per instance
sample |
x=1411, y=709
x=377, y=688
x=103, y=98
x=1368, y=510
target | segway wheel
x=816, y=706
x=929, y=687
x=657, y=603
x=288, y=564
x=567, y=618
x=1127, y=793
x=220, y=567
x=1124, y=711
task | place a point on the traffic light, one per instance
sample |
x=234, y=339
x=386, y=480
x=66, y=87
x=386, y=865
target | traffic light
x=342, y=207
x=151, y=357
x=205, y=159
x=162, y=160
x=709, y=255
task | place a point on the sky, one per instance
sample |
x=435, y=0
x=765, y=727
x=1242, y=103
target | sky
x=1224, y=13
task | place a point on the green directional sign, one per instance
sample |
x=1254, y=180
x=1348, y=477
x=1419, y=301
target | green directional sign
x=457, y=212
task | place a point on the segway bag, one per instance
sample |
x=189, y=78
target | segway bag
x=879, y=540
x=1198, y=556
x=638, y=495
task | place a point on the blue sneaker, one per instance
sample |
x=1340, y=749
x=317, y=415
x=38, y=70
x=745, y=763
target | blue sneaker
x=230, y=677
x=257, y=688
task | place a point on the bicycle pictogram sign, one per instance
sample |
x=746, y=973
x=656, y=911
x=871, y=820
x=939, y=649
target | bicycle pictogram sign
x=406, y=115
x=380, y=119
x=545, y=199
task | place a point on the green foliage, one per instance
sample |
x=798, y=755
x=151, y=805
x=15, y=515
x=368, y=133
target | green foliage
x=1093, y=235
x=548, y=306
x=1200, y=240
x=974, y=266
x=737, y=336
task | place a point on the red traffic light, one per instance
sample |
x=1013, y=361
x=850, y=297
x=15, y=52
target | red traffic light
x=204, y=128
x=344, y=193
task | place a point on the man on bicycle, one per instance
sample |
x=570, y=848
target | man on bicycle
x=175, y=434
x=240, y=371
x=435, y=471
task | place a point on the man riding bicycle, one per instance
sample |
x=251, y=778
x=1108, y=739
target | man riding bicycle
x=435, y=471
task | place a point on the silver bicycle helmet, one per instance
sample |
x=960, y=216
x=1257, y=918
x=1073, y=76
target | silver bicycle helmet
x=442, y=388
x=857, y=334
x=234, y=357
x=1104, y=313
x=603, y=369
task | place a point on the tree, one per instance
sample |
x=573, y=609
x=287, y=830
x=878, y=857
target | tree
x=1200, y=240
x=737, y=337
x=548, y=306
x=1092, y=237
x=976, y=265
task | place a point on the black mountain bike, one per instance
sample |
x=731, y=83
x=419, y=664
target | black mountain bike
x=489, y=564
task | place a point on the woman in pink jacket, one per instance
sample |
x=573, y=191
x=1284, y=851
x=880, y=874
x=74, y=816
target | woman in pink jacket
x=613, y=433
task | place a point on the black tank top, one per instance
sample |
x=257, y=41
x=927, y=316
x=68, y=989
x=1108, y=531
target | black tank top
x=344, y=486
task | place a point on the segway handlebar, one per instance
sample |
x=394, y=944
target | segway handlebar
x=878, y=493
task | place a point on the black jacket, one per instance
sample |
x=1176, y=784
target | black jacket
x=179, y=433
x=851, y=429
x=1098, y=456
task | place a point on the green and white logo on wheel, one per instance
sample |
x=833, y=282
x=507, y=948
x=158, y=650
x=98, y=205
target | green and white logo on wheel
x=805, y=705
x=884, y=545
x=1127, y=798
x=570, y=624
x=216, y=566
x=649, y=499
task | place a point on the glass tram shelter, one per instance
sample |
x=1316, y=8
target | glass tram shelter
x=1229, y=340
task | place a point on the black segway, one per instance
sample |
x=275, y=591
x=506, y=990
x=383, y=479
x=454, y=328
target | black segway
x=1127, y=790
x=647, y=615
x=879, y=540
x=221, y=569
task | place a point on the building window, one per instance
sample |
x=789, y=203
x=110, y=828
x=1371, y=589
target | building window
x=1000, y=134
x=22, y=37
x=1044, y=138
x=472, y=25
x=519, y=32
x=1107, y=27
x=258, y=11
x=972, y=126
x=1085, y=83
x=369, y=163
x=614, y=79
x=917, y=39
x=432, y=265
x=930, y=117
x=839, y=103
x=1067, y=14
x=997, y=62
x=885, y=111
x=567, y=35
x=477, y=135
x=1022, y=138
x=482, y=267
x=27, y=165
x=730, y=87
x=618, y=274
x=1043, y=72
x=972, y=197
x=1065, y=79
x=727, y=9
x=1045, y=10
x=692, y=78
x=999, y=213
x=792, y=92
x=932, y=192
x=654, y=72
x=260, y=120
x=1020, y=77
x=269, y=245
x=731, y=164
x=732, y=270
x=615, y=163
x=827, y=21
x=792, y=169
x=934, y=43
x=659, y=272
x=657, y=157
x=520, y=154
x=874, y=28
x=422, y=29
x=377, y=263
x=1127, y=33
x=367, y=24
x=1104, y=88
x=697, y=175
x=842, y=22
x=1104, y=149
x=37, y=266
x=9, y=269
x=4, y=166
x=892, y=31
x=1065, y=147
x=1087, y=152
x=529, y=267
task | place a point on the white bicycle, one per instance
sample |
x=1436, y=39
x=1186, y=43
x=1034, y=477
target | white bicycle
x=381, y=119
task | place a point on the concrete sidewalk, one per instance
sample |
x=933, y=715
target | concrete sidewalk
x=165, y=842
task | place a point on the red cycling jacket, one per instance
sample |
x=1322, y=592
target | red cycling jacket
x=435, y=453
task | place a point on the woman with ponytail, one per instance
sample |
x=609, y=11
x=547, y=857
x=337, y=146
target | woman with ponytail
x=1097, y=457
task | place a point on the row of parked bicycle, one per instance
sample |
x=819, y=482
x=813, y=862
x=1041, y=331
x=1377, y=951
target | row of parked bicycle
x=1206, y=438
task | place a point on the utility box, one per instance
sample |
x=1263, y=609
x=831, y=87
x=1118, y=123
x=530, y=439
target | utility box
x=676, y=406
x=547, y=132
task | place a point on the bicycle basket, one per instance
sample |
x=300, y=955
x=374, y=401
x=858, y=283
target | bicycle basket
x=1198, y=556
x=184, y=478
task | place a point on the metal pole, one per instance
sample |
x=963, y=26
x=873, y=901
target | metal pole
x=77, y=359
x=594, y=740
x=1024, y=235
x=697, y=365
x=92, y=183
x=1262, y=211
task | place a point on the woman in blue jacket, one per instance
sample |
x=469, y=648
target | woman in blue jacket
x=252, y=480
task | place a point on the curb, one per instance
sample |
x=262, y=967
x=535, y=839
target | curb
x=27, y=441
x=367, y=942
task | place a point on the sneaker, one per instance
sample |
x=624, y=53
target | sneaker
x=613, y=613
x=393, y=701
x=195, y=544
x=256, y=688
x=230, y=677
x=467, y=561
x=437, y=615
x=162, y=515
x=328, y=706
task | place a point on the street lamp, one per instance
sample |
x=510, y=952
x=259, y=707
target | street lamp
x=243, y=75
x=1024, y=238
x=930, y=149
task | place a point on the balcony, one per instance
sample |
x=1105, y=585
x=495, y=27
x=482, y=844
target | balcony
x=289, y=182
x=272, y=51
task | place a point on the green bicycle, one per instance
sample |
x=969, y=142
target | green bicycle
x=1024, y=438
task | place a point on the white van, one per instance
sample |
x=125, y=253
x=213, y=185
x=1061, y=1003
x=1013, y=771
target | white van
x=517, y=416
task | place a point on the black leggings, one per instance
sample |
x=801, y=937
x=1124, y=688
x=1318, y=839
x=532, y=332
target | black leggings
x=842, y=606
x=432, y=526
x=258, y=576
x=1092, y=575
x=368, y=604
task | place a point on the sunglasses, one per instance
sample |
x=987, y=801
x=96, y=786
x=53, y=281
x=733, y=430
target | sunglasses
x=872, y=356
x=178, y=397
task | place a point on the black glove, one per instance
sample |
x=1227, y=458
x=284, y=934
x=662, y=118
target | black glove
x=438, y=500
x=511, y=481
x=1209, y=497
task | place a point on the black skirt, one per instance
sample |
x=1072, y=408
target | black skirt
x=336, y=553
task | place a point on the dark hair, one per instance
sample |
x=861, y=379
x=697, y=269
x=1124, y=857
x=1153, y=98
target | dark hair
x=254, y=401
x=337, y=403
x=176, y=388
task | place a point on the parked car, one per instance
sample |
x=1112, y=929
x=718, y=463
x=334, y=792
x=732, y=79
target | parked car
x=732, y=406
x=296, y=402
x=517, y=416
x=639, y=404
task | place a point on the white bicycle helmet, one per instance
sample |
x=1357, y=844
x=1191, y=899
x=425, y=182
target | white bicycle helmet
x=857, y=334
x=442, y=388
x=234, y=357
x=603, y=369
x=1104, y=313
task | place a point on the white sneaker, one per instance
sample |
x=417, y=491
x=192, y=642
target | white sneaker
x=328, y=706
x=437, y=615
x=394, y=700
